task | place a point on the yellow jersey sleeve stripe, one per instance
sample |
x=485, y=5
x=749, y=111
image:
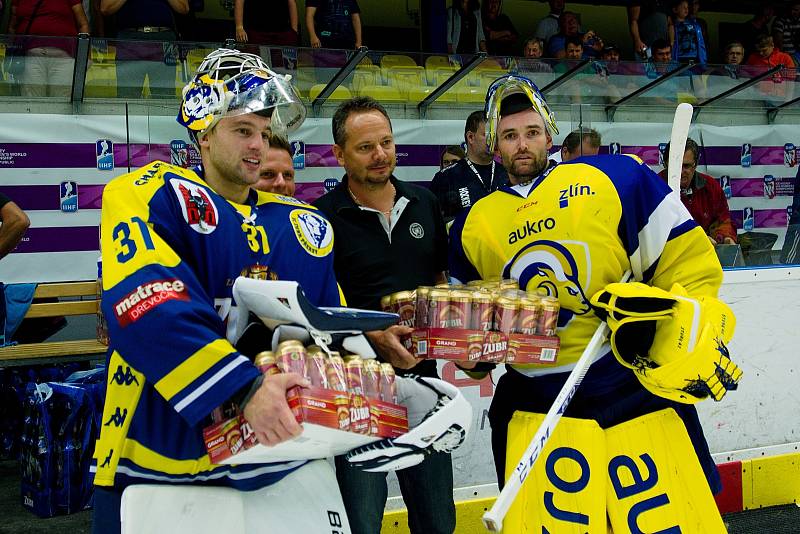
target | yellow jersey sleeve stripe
x=149, y=459
x=193, y=368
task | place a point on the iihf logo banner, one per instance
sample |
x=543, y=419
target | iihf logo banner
x=769, y=186
x=614, y=148
x=662, y=154
x=298, y=154
x=789, y=155
x=104, y=150
x=179, y=153
x=330, y=184
x=68, y=196
x=747, y=155
x=725, y=183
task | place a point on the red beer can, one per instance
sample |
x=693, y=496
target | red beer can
x=421, y=307
x=460, y=308
x=334, y=368
x=266, y=363
x=354, y=374
x=316, y=369
x=482, y=316
x=388, y=387
x=291, y=357
x=548, y=321
x=529, y=311
x=386, y=304
x=403, y=303
x=439, y=308
x=506, y=312
x=372, y=378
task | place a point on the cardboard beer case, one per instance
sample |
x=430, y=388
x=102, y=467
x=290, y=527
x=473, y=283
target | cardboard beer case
x=485, y=346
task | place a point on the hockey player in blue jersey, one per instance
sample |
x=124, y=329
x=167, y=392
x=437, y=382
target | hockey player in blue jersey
x=571, y=230
x=173, y=241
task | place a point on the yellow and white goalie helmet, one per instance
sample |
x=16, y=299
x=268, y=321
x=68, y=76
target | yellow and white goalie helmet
x=530, y=96
x=230, y=83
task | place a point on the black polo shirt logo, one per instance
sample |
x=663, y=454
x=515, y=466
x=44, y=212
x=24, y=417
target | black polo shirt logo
x=416, y=230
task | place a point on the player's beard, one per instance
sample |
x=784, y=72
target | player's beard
x=521, y=171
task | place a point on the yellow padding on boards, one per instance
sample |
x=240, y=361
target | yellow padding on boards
x=771, y=481
x=656, y=483
x=565, y=491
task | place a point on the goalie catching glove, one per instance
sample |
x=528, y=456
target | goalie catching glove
x=439, y=418
x=675, y=344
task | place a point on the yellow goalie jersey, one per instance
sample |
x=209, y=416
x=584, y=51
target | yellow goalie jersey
x=576, y=228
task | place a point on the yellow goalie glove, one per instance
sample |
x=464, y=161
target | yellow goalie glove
x=676, y=344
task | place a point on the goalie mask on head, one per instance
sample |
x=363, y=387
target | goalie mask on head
x=230, y=83
x=439, y=419
x=675, y=344
x=511, y=94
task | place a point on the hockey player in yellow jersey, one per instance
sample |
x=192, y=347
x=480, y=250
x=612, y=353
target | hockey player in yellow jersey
x=569, y=230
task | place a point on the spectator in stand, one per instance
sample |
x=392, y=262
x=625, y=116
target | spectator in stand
x=333, y=23
x=569, y=26
x=501, y=36
x=49, y=63
x=273, y=23
x=734, y=53
x=145, y=20
x=277, y=170
x=532, y=52
x=461, y=185
x=648, y=21
x=533, y=48
x=13, y=225
x=686, y=38
x=573, y=48
x=694, y=9
x=451, y=155
x=579, y=143
x=767, y=56
x=704, y=198
x=549, y=25
x=748, y=31
x=786, y=28
x=662, y=52
x=465, y=28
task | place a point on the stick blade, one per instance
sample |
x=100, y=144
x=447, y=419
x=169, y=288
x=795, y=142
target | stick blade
x=677, y=144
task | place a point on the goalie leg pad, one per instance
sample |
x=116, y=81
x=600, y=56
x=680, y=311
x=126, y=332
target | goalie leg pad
x=306, y=500
x=565, y=490
x=656, y=483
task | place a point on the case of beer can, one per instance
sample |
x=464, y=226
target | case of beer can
x=291, y=357
x=316, y=368
x=266, y=363
x=404, y=304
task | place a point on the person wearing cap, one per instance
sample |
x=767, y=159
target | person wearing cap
x=569, y=230
x=173, y=242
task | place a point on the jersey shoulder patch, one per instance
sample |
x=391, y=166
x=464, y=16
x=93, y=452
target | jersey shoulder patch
x=197, y=206
x=312, y=230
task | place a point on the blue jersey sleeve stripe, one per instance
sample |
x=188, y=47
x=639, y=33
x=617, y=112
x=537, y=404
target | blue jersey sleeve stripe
x=216, y=389
x=682, y=228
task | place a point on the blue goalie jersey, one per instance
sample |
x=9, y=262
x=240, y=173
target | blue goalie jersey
x=171, y=250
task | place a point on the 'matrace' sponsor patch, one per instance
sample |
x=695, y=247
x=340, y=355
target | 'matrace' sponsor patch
x=313, y=232
x=147, y=297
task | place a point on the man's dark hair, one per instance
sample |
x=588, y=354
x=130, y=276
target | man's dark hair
x=455, y=150
x=280, y=142
x=764, y=39
x=573, y=40
x=660, y=44
x=690, y=145
x=359, y=104
x=573, y=140
x=473, y=121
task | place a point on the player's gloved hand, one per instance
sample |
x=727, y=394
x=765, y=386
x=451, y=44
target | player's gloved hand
x=439, y=419
x=676, y=344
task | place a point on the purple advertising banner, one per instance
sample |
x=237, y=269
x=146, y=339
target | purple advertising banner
x=60, y=239
x=47, y=155
x=46, y=197
x=732, y=155
x=754, y=187
x=775, y=218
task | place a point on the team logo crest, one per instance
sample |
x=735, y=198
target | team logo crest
x=559, y=269
x=259, y=272
x=417, y=231
x=104, y=151
x=313, y=232
x=68, y=196
x=199, y=210
x=298, y=154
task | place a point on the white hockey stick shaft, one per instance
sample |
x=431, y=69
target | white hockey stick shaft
x=493, y=519
x=677, y=144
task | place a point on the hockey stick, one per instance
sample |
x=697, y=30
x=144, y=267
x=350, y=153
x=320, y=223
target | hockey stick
x=677, y=144
x=493, y=519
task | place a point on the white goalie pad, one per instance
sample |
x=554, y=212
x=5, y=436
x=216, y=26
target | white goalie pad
x=282, y=306
x=307, y=500
x=439, y=419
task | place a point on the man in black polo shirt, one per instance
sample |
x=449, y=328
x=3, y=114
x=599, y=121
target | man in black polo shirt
x=461, y=185
x=390, y=236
